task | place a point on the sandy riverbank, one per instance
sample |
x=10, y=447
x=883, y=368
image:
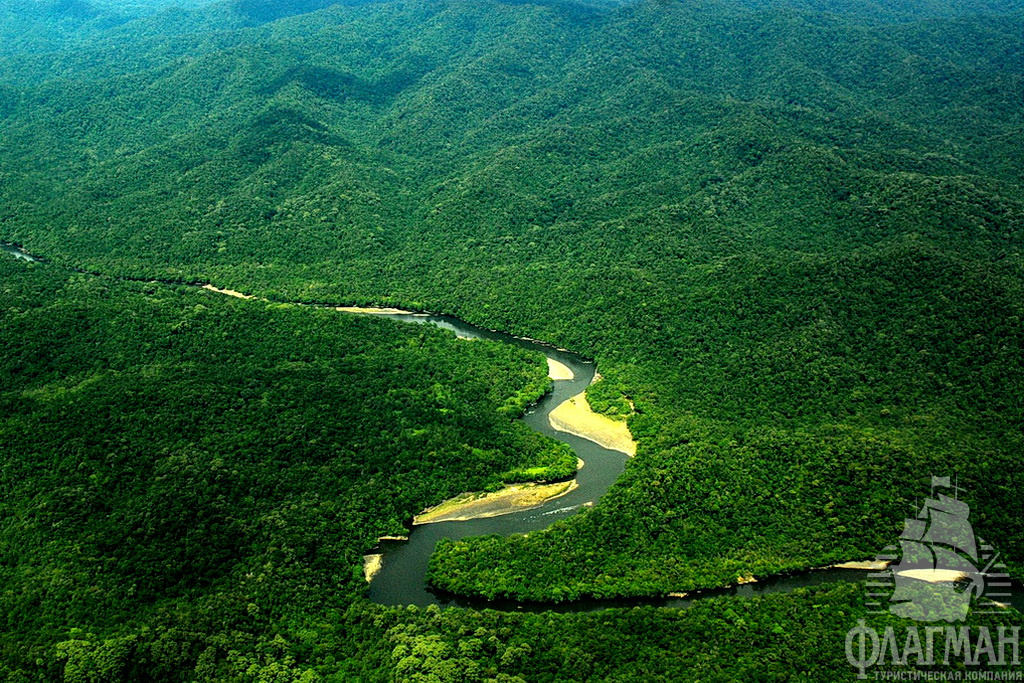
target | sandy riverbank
x=934, y=575
x=559, y=371
x=229, y=292
x=372, y=311
x=575, y=417
x=870, y=565
x=515, y=498
x=343, y=309
x=371, y=565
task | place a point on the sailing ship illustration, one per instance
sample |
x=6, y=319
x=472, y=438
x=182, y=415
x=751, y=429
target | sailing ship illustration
x=937, y=576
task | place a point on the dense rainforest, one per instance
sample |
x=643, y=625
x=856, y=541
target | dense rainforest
x=173, y=456
x=789, y=231
x=189, y=480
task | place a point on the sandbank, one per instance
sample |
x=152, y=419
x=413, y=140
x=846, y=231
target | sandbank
x=575, y=417
x=372, y=565
x=229, y=292
x=934, y=575
x=871, y=565
x=514, y=498
x=372, y=311
x=559, y=371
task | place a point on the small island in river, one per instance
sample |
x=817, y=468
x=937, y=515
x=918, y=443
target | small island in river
x=514, y=498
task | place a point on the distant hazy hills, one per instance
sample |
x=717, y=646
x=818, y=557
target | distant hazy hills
x=390, y=136
x=502, y=115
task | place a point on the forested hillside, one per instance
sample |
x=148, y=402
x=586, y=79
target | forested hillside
x=178, y=464
x=790, y=232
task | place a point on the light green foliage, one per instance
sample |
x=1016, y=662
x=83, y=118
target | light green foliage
x=606, y=397
x=173, y=451
x=764, y=638
x=87, y=662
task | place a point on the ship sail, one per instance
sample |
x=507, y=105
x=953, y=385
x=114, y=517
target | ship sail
x=953, y=533
x=950, y=561
x=914, y=529
x=939, y=550
x=907, y=589
x=916, y=555
x=942, y=522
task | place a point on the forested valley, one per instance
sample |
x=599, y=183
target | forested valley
x=790, y=232
x=183, y=471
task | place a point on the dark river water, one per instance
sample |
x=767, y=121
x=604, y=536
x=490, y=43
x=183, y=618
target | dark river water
x=16, y=252
x=402, y=579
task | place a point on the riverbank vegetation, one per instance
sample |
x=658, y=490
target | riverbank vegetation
x=766, y=638
x=175, y=461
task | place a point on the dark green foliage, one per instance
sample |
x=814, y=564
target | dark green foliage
x=607, y=398
x=174, y=459
x=795, y=636
x=857, y=420
x=791, y=233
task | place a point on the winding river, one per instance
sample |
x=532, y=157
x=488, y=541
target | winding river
x=402, y=578
x=17, y=253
